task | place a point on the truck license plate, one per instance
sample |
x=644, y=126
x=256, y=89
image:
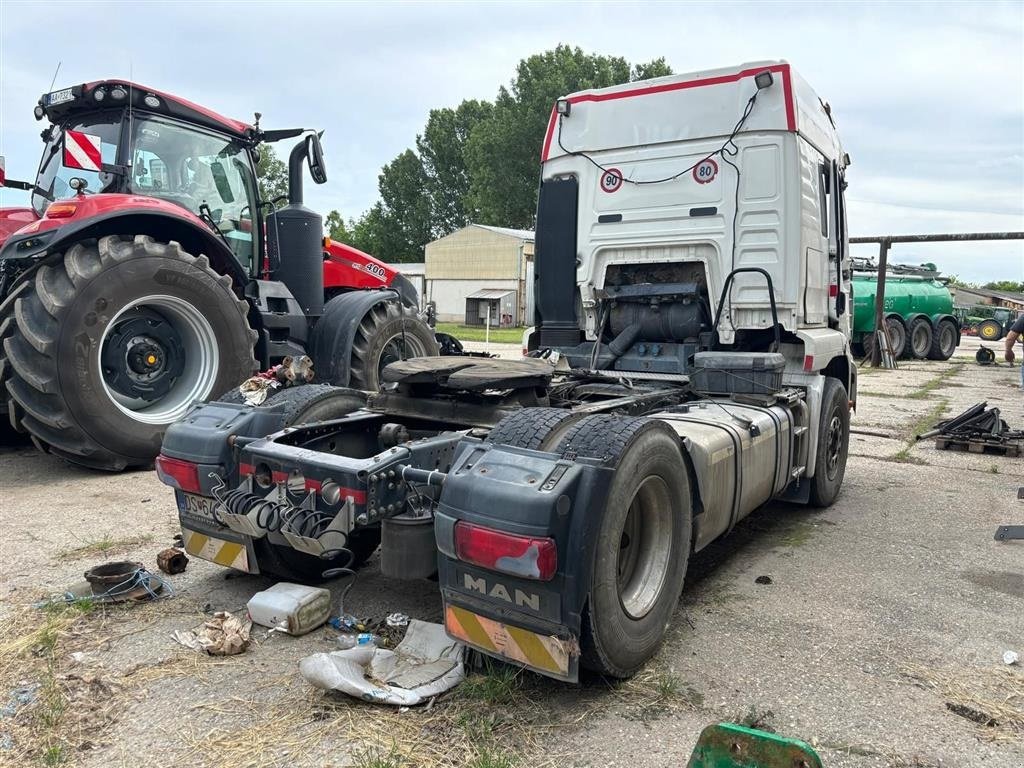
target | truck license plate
x=196, y=506
x=59, y=97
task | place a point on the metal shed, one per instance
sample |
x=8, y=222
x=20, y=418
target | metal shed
x=494, y=306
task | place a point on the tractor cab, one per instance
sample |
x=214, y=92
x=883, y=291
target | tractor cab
x=115, y=137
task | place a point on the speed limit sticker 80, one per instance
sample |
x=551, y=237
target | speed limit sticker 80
x=705, y=171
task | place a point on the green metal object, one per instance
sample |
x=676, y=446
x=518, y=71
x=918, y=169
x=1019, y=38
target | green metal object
x=905, y=295
x=727, y=745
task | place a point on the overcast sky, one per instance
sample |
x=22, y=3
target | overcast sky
x=929, y=98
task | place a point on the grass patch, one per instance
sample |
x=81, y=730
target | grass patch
x=499, y=684
x=905, y=457
x=107, y=545
x=932, y=384
x=993, y=469
x=992, y=698
x=478, y=333
x=376, y=758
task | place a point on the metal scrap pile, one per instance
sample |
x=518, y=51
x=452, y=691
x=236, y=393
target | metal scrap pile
x=978, y=429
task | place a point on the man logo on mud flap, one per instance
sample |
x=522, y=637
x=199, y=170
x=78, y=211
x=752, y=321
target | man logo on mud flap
x=500, y=591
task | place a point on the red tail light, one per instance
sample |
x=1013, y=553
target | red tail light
x=177, y=473
x=527, y=556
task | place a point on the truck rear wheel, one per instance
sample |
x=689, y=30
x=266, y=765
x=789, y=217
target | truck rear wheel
x=539, y=429
x=990, y=330
x=643, y=540
x=943, y=340
x=919, y=338
x=833, y=444
x=388, y=333
x=116, y=341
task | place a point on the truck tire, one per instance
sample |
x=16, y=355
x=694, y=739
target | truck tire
x=389, y=332
x=943, y=340
x=833, y=444
x=897, y=330
x=990, y=330
x=643, y=540
x=115, y=341
x=306, y=404
x=538, y=429
x=919, y=339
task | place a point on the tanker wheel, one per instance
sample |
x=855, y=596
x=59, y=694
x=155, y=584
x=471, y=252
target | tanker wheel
x=943, y=340
x=643, y=540
x=919, y=338
x=833, y=444
x=388, y=333
x=990, y=330
x=897, y=331
x=299, y=405
x=115, y=341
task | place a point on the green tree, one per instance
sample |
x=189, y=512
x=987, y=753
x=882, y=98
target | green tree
x=336, y=228
x=442, y=151
x=502, y=152
x=1010, y=286
x=271, y=174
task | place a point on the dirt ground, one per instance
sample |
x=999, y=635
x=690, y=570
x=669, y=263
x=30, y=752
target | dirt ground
x=879, y=638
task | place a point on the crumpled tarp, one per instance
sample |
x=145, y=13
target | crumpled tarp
x=426, y=663
x=223, y=635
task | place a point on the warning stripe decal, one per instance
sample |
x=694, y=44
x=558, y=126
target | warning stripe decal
x=82, y=150
x=230, y=554
x=538, y=651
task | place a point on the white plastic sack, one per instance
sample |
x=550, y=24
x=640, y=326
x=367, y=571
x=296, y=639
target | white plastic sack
x=427, y=662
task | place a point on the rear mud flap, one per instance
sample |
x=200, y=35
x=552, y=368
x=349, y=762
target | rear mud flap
x=234, y=553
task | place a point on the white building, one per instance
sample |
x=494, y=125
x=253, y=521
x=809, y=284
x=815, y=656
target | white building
x=479, y=270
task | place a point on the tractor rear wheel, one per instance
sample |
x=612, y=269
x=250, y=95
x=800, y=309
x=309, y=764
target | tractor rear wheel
x=388, y=333
x=919, y=338
x=115, y=341
x=943, y=340
x=990, y=330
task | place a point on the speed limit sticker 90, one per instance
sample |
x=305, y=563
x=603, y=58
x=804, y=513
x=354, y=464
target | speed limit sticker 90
x=705, y=171
x=611, y=180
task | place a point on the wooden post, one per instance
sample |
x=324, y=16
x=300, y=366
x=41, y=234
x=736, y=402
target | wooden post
x=883, y=261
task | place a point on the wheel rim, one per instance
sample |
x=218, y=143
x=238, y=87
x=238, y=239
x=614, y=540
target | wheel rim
x=898, y=336
x=158, y=355
x=645, y=545
x=399, y=347
x=834, y=445
x=947, y=339
x=988, y=331
x=921, y=341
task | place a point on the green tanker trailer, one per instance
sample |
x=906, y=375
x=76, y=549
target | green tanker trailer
x=918, y=314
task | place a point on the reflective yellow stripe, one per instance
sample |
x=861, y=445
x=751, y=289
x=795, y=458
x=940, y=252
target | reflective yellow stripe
x=534, y=650
x=230, y=554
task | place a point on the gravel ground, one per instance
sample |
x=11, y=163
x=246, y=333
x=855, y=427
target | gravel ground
x=881, y=611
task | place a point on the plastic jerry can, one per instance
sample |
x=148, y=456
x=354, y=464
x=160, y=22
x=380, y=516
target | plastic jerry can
x=292, y=608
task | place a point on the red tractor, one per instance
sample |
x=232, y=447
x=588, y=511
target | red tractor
x=148, y=274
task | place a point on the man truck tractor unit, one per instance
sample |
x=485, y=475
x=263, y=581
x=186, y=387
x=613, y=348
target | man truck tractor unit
x=147, y=274
x=691, y=362
x=918, y=310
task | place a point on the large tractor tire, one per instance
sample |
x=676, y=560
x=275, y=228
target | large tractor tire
x=304, y=405
x=944, y=340
x=833, y=445
x=919, y=338
x=351, y=344
x=116, y=341
x=897, y=332
x=643, y=540
x=388, y=333
x=990, y=330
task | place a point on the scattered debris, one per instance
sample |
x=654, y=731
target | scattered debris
x=223, y=635
x=425, y=664
x=172, y=560
x=114, y=582
x=291, y=371
x=763, y=580
x=292, y=608
x=397, y=620
x=361, y=640
x=972, y=714
x=347, y=623
x=978, y=429
x=1010, y=657
x=984, y=356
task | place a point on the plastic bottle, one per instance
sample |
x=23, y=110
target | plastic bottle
x=362, y=640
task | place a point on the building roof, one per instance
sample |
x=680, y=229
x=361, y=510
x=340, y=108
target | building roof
x=1016, y=298
x=491, y=293
x=519, y=234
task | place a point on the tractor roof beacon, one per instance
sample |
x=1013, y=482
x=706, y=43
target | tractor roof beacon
x=691, y=362
x=147, y=274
